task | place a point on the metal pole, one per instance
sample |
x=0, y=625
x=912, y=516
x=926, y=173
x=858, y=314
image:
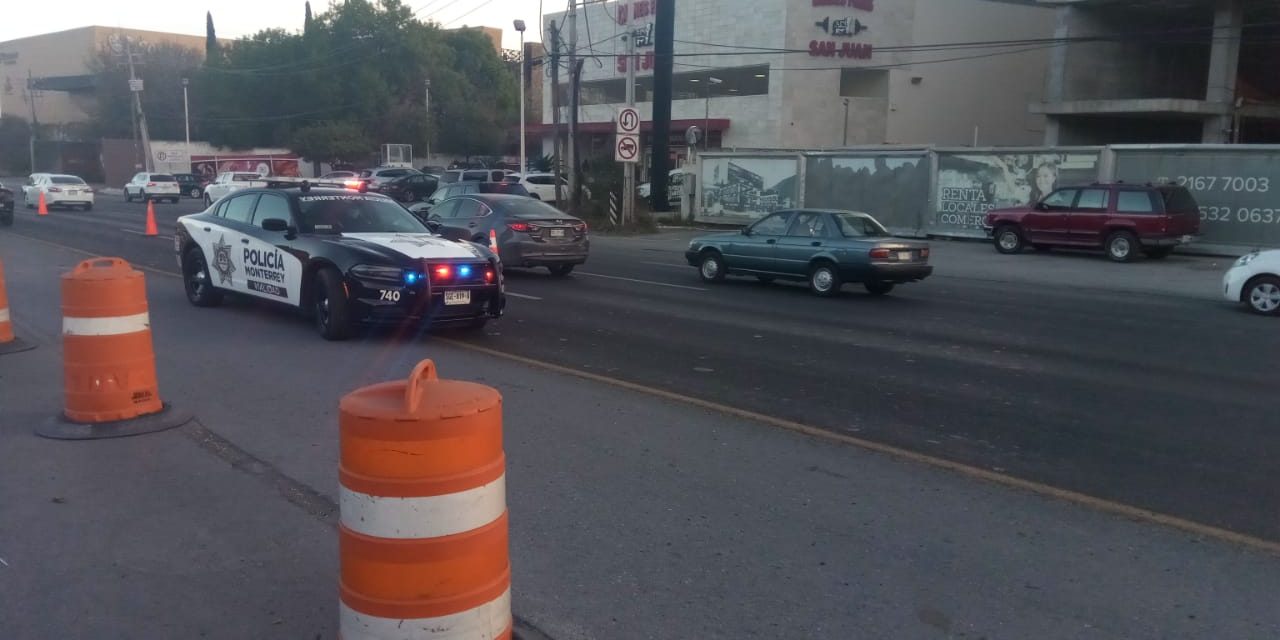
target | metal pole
x=706, y=116
x=629, y=168
x=572, y=152
x=137, y=105
x=186, y=117
x=426, y=106
x=35, y=124
x=524, y=62
x=846, y=123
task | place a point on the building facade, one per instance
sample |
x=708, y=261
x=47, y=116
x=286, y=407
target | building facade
x=1163, y=71
x=817, y=74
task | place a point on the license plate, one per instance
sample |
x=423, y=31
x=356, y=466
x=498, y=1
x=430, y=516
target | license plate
x=457, y=297
x=904, y=255
x=557, y=233
x=72, y=192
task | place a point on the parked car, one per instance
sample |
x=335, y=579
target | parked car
x=411, y=188
x=543, y=185
x=229, y=182
x=466, y=188
x=824, y=247
x=152, y=187
x=472, y=175
x=675, y=183
x=1254, y=281
x=190, y=184
x=528, y=232
x=377, y=176
x=339, y=176
x=1121, y=219
x=60, y=190
x=6, y=206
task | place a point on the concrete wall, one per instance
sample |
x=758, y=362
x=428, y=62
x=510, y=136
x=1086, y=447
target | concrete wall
x=990, y=93
x=1135, y=68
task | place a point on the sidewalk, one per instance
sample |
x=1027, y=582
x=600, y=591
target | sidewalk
x=632, y=516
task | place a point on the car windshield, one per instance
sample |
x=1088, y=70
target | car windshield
x=355, y=213
x=853, y=225
x=66, y=180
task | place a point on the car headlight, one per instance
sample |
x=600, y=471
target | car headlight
x=378, y=272
x=1246, y=259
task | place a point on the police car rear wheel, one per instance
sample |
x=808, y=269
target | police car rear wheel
x=332, y=312
x=195, y=273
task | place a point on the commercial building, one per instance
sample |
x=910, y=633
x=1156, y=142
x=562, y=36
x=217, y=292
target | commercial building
x=1163, y=71
x=819, y=74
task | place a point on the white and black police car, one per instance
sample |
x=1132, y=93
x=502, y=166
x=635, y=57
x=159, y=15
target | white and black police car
x=341, y=256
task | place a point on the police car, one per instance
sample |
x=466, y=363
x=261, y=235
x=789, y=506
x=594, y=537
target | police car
x=343, y=257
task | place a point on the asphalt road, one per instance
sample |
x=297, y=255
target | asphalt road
x=1160, y=401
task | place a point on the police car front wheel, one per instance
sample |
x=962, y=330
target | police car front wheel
x=332, y=311
x=195, y=275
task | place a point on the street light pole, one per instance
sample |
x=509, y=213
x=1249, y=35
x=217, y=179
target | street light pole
x=426, y=107
x=186, y=117
x=523, y=162
x=706, y=118
x=846, y=123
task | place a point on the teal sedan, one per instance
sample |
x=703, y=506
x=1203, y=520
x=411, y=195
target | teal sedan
x=825, y=248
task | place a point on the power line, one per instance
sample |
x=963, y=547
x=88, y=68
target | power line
x=473, y=10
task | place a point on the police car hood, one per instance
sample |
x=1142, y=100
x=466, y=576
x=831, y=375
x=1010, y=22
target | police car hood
x=416, y=245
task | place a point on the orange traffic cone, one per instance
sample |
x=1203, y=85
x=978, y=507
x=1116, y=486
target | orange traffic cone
x=151, y=219
x=493, y=242
x=42, y=208
x=8, y=342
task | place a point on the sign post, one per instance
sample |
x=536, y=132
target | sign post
x=629, y=126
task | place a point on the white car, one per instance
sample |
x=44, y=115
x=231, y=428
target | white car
x=543, y=186
x=1254, y=281
x=153, y=186
x=378, y=176
x=60, y=190
x=229, y=182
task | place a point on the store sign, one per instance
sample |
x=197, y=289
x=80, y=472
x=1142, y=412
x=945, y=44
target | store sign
x=637, y=10
x=841, y=27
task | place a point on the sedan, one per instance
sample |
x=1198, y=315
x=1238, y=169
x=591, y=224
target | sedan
x=1254, y=281
x=59, y=191
x=526, y=232
x=6, y=206
x=412, y=188
x=825, y=248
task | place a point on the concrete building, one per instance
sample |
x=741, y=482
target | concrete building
x=59, y=63
x=1163, y=71
x=820, y=74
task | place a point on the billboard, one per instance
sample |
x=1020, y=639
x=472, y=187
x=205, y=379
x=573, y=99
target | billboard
x=971, y=184
x=1238, y=190
x=894, y=189
x=210, y=166
x=744, y=186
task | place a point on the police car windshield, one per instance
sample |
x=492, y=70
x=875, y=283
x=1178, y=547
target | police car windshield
x=354, y=213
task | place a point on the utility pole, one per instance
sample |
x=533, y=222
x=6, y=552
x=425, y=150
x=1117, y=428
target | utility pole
x=426, y=107
x=664, y=44
x=35, y=124
x=135, y=87
x=629, y=168
x=845, y=142
x=186, y=118
x=557, y=147
x=574, y=75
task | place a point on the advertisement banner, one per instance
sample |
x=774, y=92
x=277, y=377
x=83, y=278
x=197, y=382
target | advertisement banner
x=971, y=184
x=748, y=187
x=210, y=166
x=1238, y=190
x=894, y=189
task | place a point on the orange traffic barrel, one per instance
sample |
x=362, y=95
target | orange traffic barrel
x=423, y=525
x=9, y=343
x=108, y=363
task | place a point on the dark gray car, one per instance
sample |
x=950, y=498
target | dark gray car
x=528, y=232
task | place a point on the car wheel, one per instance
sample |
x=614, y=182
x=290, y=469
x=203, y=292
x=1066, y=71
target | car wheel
x=332, y=311
x=824, y=279
x=711, y=267
x=1263, y=295
x=195, y=192
x=127, y=197
x=207, y=201
x=878, y=288
x=143, y=196
x=765, y=279
x=199, y=285
x=1122, y=246
x=560, y=270
x=1157, y=253
x=1009, y=239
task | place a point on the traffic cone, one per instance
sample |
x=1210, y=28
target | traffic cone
x=151, y=219
x=8, y=343
x=493, y=242
x=109, y=364
x=43, y=207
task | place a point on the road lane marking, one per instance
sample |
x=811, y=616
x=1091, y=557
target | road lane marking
x=1098, y=504
x=521, y=295
x=656, y=284
x=143, y=233
x=1066, y=495
x=668, y=264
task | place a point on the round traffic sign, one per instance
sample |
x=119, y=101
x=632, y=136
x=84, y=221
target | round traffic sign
x=628, y=148
x=628, y=120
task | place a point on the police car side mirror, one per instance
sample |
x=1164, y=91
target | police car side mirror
x=275, y=224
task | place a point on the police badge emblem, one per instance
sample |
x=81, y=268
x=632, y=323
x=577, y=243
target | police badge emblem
x=222, y=260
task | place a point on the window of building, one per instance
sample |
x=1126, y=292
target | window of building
x=864, y=83
x=689, y=85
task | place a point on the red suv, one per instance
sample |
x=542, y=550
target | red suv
x=1121, y=219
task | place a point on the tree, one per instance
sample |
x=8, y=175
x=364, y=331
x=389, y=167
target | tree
x=331, y=142
x=211, y=49
x=306, y=21
x=161, y=69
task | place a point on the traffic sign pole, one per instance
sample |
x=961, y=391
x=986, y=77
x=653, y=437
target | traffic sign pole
x=629, y=168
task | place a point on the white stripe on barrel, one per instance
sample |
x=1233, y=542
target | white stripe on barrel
x=4, y=314
x=116, y=326
x=424, y=517
x=485, y=622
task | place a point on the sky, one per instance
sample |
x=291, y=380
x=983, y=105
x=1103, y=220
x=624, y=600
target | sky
x=235, y=18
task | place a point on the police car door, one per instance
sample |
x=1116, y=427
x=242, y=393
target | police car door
x=222, y=238
x=271, y=270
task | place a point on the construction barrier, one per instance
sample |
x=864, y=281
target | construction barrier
x=109, y=365
x=8, y=342
x=423, y=525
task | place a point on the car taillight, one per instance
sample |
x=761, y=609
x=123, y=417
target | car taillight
x=55, y=190
x=580, y=227
x=880, y=254
x=488, y=275
x=522, y=227
x=442, y=272
x=151, y=184
x=924, y=253
x=352, y=184
x=88, y=189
